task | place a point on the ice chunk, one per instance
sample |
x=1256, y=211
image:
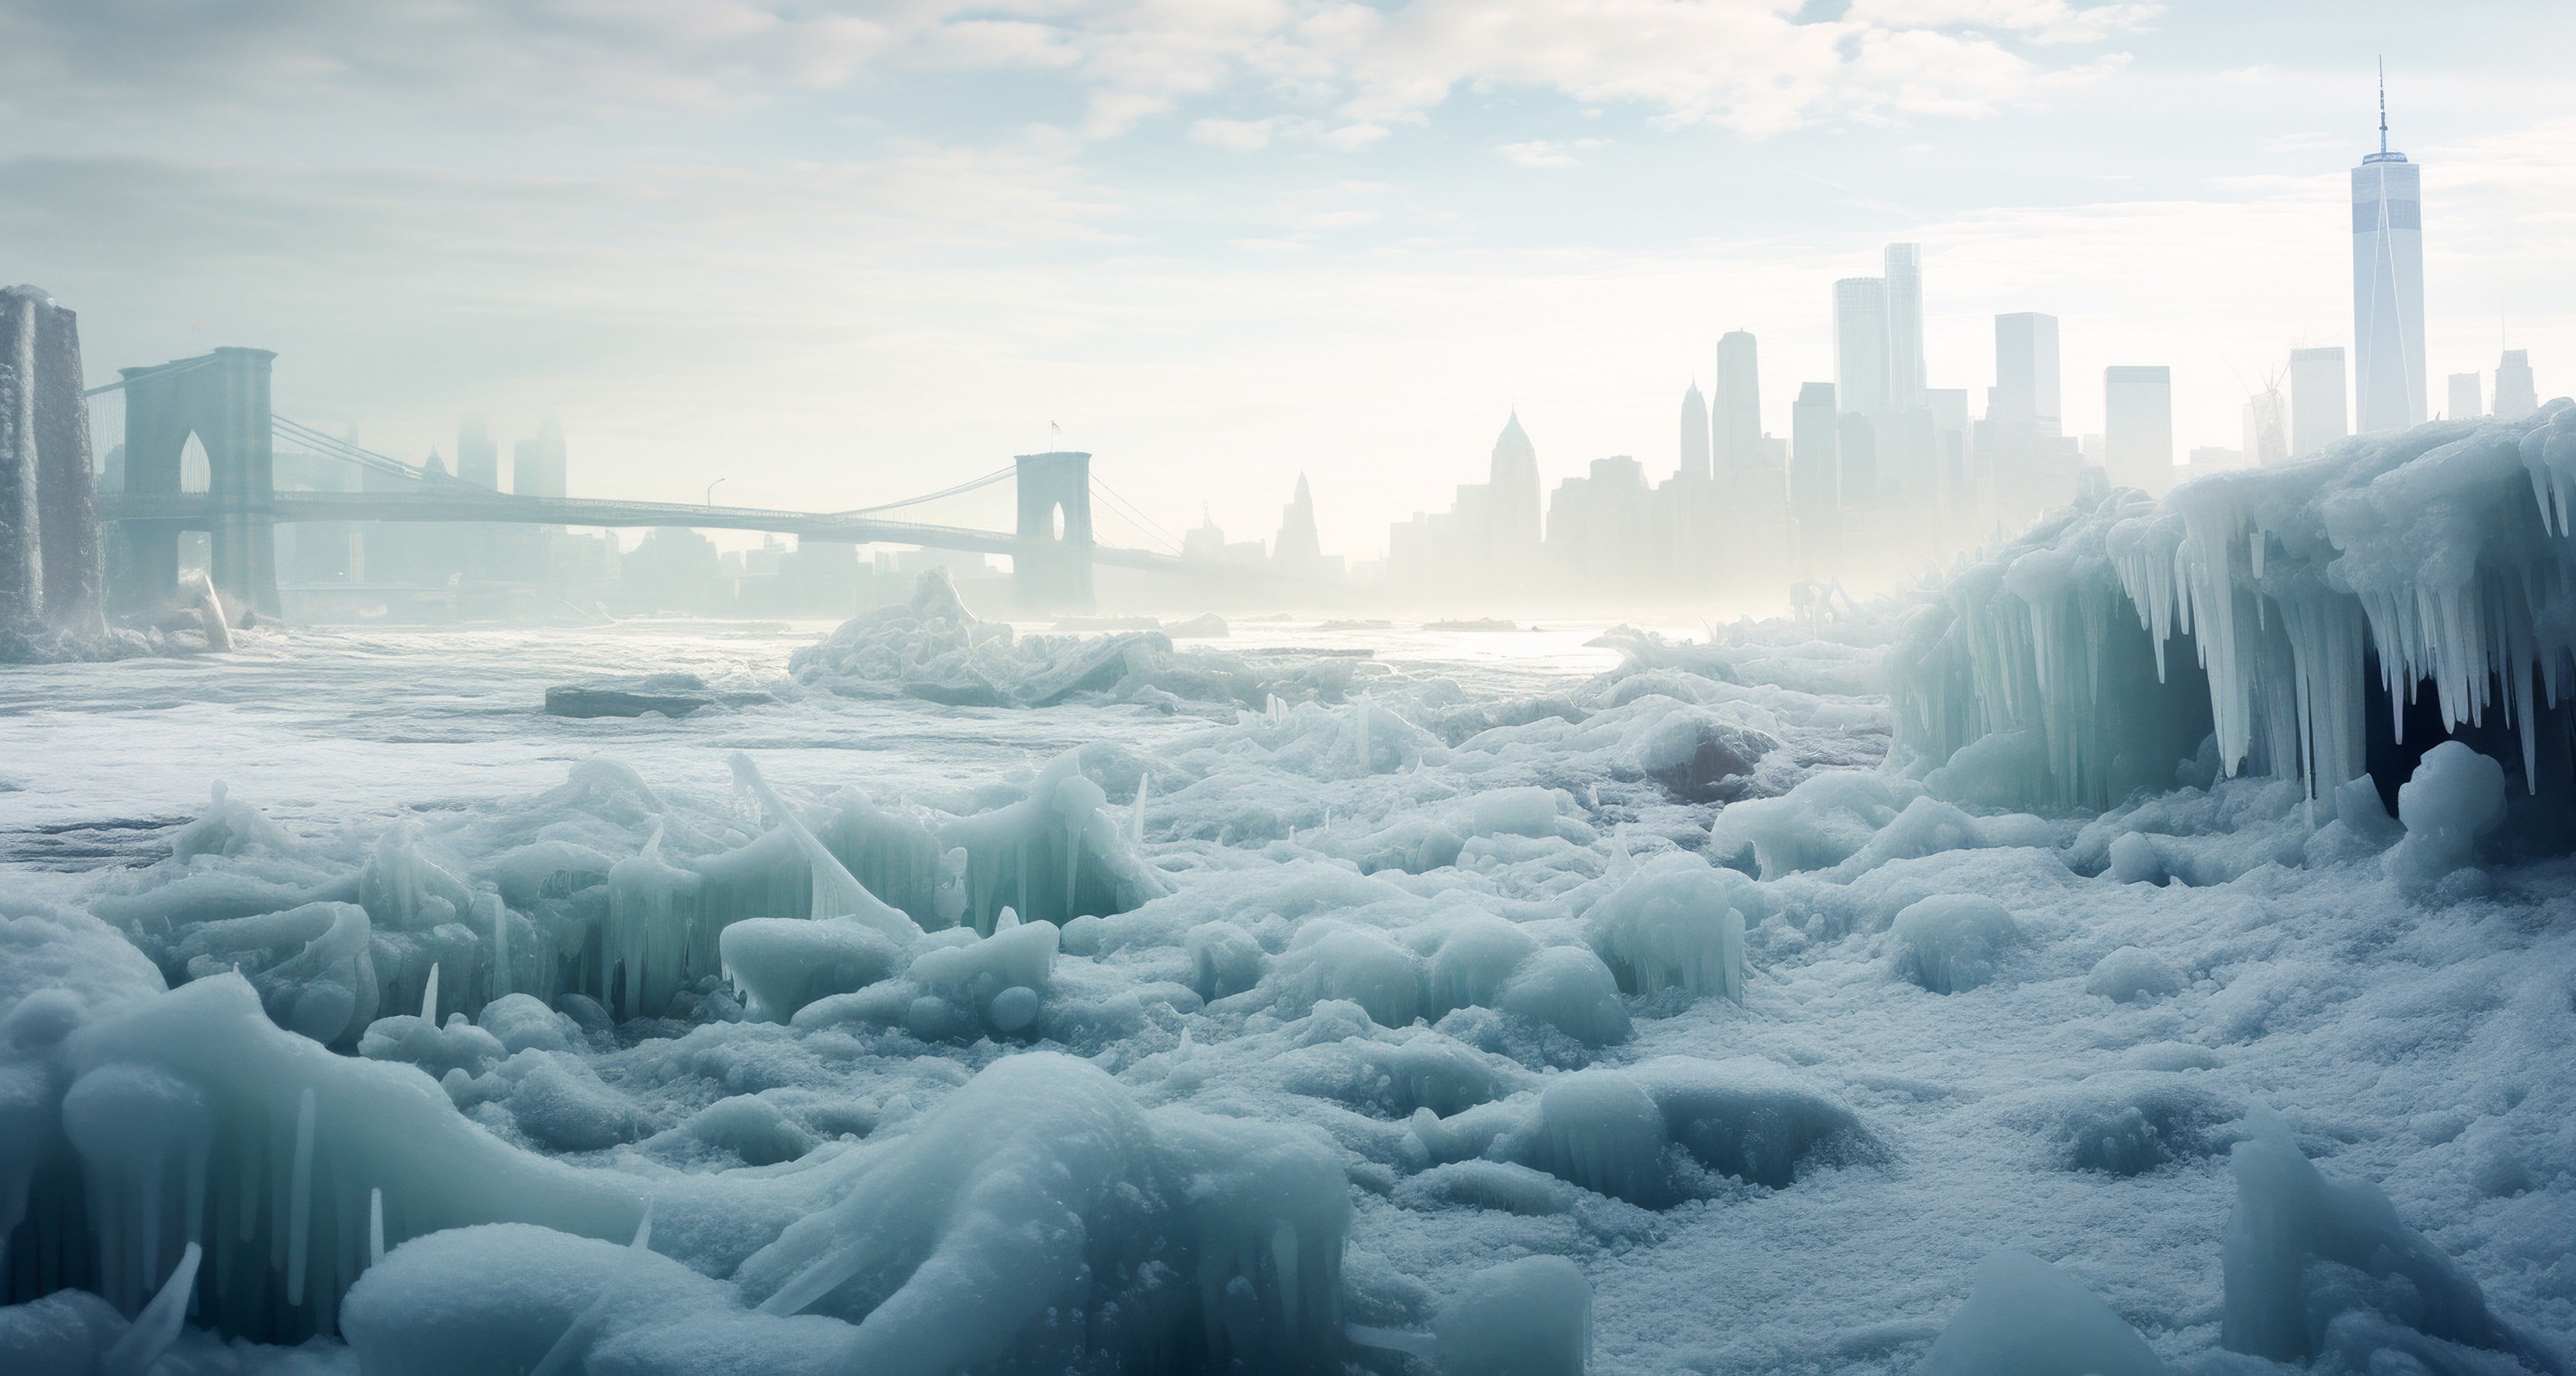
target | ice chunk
x=785, y=963
x=520, y=1022
x=930, y=1249
x=2455, y=798
x=1819, y=824
x=1678, y=922
x=2132, y=974
x=836, y=893
x=1506, y=1186
x=1477, y=954
x=2025, y=1317
x=1569, y=989
x=1531, y=1317
x=1334, y=960
x=1599, y=1129
x=2289, y=1217
x=1752, y=1119
x=561, y=1103
x=1951, y=943
x=498, y=1297
x=752, y=1127
x=460, y=1045
x=1224, y=958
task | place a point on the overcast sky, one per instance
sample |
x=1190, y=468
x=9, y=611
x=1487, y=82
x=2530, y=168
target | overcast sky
x=837, y=253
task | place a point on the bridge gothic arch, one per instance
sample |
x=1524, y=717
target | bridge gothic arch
x=220, y=399
x=1051, y=565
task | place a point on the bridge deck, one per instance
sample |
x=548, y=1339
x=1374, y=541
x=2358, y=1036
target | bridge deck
x=196, y=511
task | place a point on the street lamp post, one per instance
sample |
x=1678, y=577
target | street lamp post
x=711, y=494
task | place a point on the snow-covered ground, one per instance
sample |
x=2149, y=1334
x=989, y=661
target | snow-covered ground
x=1449, y=1010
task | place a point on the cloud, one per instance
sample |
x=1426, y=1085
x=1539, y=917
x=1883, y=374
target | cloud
x=1547, y=153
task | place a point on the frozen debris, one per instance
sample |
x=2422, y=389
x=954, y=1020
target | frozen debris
x=2454, y=799
x=671, y=694
x=2320, y=1267
x=1531, y=1317
x=2025, y=1317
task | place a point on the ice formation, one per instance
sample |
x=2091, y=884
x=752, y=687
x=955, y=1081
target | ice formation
x=1708, y=1014
x=2318, y=621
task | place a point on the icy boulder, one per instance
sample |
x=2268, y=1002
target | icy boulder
x=2025, y=1317
x=1601, y=1130
x=1951, y=943
x=1531, y=1317
x=1677, y=923
x=2133, y=974
x=1334, y=960
x=2315, y=1264
x=1817, y=825
x=1752, y=1119
x=931, y=1250
x=460, y=1045
x=2455, y=798
x=785, y=963
x=1569, y=989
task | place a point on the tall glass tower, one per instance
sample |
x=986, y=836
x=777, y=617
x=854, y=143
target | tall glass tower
x=2387, y=288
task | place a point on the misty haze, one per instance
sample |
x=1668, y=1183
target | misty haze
x=1447, y=688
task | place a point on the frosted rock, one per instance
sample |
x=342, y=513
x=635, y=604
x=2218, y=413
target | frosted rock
x=1678, y=922
x=753, y=1128
x=2025, y=1317
x=1332, y=960
x=1819, y=824
x=561, y=1103
x=1951, y=943
x=2455, y=798
x=497, y=1297
x=1531, y=1317
x=2132, y=974
x=460, y=1045
x=1225, y=959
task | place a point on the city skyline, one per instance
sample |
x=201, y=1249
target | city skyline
x=534, y=254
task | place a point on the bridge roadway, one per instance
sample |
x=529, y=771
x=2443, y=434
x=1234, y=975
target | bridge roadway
x=197, y=511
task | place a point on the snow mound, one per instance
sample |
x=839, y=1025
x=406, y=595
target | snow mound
x=1951, y=943
x=2025, y=1317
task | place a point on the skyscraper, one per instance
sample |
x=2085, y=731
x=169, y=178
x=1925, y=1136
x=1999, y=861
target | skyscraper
x=2137, y=427
x=2266, y=431
x=537, y=465
x=1298, y=549
x=1860, y=344
x=2387, y=288
x=2026, y=372
x=1815, y=476
x=1905, y=373
x=1736, y=415
x=1512, y=498
x=2516, y=395
x=1694, y=435
x=2317, y=415
x=478, y=458
x=2468, y=399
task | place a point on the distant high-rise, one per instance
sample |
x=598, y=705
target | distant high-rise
x=1860, y=344
x=537, y=465
x=1736, y=411
x=2137, y=426
x=1298, y=548
x=1905, y=371
x=2266, y=428
x=2387, y=289
x=2317, y=414
x=1694, y=435
x=2026, y=390
x=1815, y=466
x=2468, y=399
x=1512, y=494
x=2516, y=395
x=478, y=458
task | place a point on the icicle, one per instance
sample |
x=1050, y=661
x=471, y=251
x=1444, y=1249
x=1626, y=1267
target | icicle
x=1136, y=818
x=299, y=1209
x=429, y=997
x=500, y=915
x=1368, y=757
x=158, y=1325
x=375, y=1226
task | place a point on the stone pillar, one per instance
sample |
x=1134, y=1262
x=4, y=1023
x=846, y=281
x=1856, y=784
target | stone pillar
x=156, y=430
x=66, y=485
x=1051, y=568
x=233, y=424
x=22, y=582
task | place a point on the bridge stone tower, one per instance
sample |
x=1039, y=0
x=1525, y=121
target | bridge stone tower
x=49, y=531
x=1051, y=569
x=221, y=398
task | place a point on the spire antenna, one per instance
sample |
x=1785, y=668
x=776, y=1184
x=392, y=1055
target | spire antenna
x=2383, y=105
